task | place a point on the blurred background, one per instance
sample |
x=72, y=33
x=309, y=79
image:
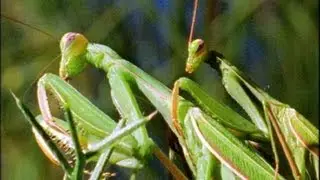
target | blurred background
x=276, y=43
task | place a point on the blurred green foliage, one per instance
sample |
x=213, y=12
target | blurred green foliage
x=275, y=42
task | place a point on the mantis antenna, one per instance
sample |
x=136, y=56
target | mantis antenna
x=30, y=26
x=194, y=15
x=40, y=74
x=43, y=32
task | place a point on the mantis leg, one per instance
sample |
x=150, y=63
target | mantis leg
x=215, y=109
x=92, y=126
x=126, y=103
x=104, y=158
x=55, y=152
x=127, y=106
x=47, y=138
x=75, y=172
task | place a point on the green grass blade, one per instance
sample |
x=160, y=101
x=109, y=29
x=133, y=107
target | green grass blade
x=105, y=156
x=79, y=166
x=103, y=159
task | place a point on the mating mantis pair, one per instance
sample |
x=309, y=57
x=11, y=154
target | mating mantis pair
x=208, y=131
x=202, y=129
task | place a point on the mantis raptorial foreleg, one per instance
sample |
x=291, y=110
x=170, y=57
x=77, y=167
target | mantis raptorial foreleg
x=45, y=137
x=96, y=125
x=74, y=171
x=217, y=110
x=81, y=157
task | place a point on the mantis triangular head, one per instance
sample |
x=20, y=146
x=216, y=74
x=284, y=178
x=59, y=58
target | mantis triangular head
x=197, y=53
x=73, y=49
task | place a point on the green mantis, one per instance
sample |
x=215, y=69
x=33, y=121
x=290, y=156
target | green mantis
x=296, y=135
x=201, y=133
x=192, y=122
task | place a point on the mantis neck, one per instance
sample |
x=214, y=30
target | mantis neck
x=101, y=56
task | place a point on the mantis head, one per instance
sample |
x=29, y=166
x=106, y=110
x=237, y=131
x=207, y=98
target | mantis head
x=73, y=49
x=197, y=53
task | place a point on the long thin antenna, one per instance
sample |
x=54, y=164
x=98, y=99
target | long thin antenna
x=28, y=25
x=40, y=74
x=40, y=31
x=194, y=15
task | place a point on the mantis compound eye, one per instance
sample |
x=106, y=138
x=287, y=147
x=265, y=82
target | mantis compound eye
x=73, y=49
x=66, y=40
x=200, y=46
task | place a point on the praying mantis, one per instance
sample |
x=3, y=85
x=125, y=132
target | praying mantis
x=75, y=48
x=150, y=87
x=248, y=128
